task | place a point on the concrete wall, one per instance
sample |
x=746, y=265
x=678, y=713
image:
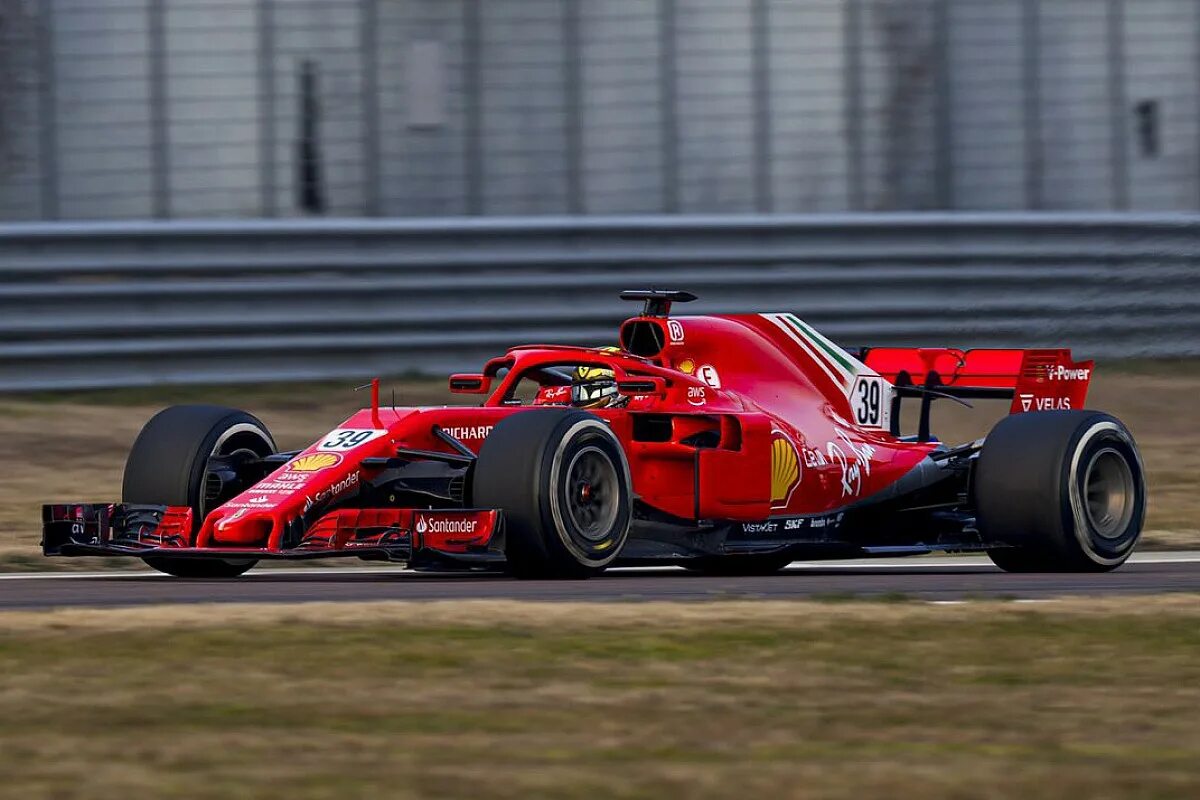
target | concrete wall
x=810, y=149
x=105, y=159
x=212, y=114
x=1161, y=54
x=622, y=101
x=987, y=106
x=423, y=164
x=137, y=108
x=20, y=118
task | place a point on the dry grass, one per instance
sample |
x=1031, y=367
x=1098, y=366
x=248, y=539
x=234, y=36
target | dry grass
x=72, y=446
x=1082, y=698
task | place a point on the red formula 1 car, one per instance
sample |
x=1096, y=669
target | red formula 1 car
x=726, y=444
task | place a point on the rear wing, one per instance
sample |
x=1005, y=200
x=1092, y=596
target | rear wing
x=1035, y=380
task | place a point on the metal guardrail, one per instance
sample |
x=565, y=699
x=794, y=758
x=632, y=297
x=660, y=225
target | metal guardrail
x=123, y=304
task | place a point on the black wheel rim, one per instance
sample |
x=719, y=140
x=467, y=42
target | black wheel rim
x=213, y=493
x=593, y=495
x=1109, y=493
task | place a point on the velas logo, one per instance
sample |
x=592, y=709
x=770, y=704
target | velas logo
x=785, y=469
x=314, y=462
x=1026, y=402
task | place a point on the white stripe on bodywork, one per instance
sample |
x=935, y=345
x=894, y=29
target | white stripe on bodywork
x=835, y=373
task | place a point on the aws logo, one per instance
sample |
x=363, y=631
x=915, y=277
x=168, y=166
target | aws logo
x=314, y=462
x=785, y=469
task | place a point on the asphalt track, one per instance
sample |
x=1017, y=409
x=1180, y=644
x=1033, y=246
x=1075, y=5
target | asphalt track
x=934, y=579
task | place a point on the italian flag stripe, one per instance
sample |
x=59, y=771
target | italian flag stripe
x=831, y=350
x=830, y=368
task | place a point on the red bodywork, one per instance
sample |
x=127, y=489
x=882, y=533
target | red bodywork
x=796, y=429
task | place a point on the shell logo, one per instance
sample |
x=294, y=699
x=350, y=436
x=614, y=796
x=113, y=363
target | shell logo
x=687, y=365
x=785, y=470
x=314, y=462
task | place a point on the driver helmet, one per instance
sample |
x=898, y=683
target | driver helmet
x=595, y=387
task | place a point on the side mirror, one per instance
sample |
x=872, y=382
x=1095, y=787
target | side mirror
x=641, y=385
x=470, y=384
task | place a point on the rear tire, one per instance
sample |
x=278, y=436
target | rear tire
x=1065, y=491
x=562, y=480
x=168, y=466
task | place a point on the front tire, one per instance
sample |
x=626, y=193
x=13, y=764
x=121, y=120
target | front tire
x=168, y=466
x=562, y=480
x=1065, y=491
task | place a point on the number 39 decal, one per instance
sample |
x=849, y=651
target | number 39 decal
x=348, y=438
x=871, y=402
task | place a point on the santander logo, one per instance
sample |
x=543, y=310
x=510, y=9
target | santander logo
x=443, y=525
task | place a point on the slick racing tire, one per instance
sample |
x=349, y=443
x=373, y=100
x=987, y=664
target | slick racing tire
x=1065, y=491
x=168, y=466
x=739, y=565
x=561, y=478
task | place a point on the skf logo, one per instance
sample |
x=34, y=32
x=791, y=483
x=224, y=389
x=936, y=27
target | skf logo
x=785, y=469
x=315, y=462
x=1060, y=373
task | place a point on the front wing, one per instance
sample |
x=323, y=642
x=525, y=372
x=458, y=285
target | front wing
x=393, y=534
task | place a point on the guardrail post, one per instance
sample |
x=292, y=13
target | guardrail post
x=1116, y=88
x=160, y=161
x=668, y=99
x=945, y=109
x=372, y=154
x=268, y=190
x=473, y=101
x=1031, y=60
x=47, y=112
x=853, y=103
x=761, y=55
x=573, y=95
